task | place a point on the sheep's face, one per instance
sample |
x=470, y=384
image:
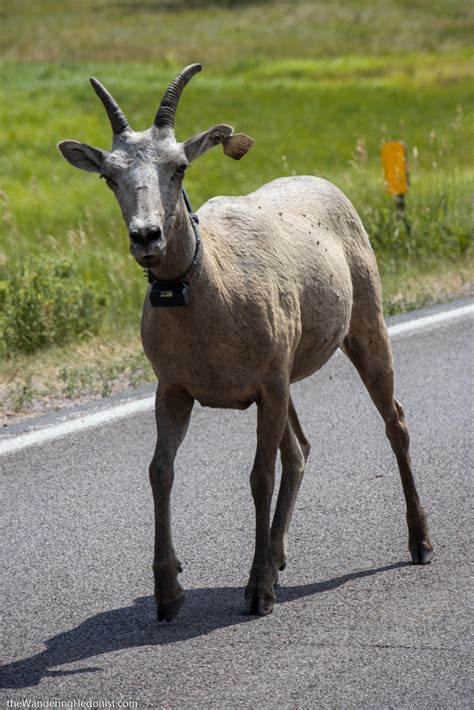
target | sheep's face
x=145, y=172
x=145, y=169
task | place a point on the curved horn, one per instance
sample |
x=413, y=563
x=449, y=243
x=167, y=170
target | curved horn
x=116, y=116
x=166, y=113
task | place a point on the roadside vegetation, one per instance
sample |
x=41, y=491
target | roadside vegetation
x=319, y=86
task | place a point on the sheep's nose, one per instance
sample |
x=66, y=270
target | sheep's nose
x=145, y=235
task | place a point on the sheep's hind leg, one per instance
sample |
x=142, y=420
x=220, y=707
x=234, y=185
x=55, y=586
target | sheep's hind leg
x=272, y=414
x=172, y=419
x=294, y=450
x=368, y=347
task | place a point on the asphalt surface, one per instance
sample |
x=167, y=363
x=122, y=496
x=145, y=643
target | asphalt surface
x=355, y=625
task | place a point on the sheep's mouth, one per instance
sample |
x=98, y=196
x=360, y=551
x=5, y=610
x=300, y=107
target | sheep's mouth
x=147, y=261
x=147, y=255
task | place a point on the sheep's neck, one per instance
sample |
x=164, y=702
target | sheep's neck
x=180, y=249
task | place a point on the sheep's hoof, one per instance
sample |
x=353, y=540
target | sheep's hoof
x=264, y=606
x=258, y=606
x=421, y=553
x=169, y=610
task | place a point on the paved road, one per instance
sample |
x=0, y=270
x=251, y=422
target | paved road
x=355, y=626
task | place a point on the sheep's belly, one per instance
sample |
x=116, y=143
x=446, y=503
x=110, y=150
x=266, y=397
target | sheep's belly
x=314, y=352
x=232, y=398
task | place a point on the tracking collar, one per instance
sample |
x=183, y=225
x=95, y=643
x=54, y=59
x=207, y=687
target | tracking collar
x=165, y=294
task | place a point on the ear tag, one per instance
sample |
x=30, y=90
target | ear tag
x=169, y=295
x=237, y=145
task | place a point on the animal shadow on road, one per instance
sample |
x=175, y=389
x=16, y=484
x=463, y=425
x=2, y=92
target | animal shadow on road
x=133, y=626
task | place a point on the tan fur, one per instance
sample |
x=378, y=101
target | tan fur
x=287, y=277
x=259, y=310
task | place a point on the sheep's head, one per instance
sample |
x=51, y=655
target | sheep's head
x=145, y=169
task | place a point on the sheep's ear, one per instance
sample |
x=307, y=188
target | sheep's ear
x=83, y=156
x=235, y=144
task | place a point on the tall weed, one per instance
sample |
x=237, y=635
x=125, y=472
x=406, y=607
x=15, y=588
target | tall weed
x=45, y=302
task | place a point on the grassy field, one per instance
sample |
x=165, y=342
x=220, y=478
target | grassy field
x=318, y=85
x=225, y=33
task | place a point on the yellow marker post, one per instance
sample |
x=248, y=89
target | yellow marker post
x=396, y=172
x=395, y=167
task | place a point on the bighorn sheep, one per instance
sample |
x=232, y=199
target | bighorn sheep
x=282, y=278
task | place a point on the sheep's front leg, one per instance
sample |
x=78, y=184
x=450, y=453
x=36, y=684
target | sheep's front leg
x=272, y=413
x=172, y=418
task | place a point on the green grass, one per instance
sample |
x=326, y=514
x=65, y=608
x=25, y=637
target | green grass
x=222, y=34
x=331, y=128
x=318, y=85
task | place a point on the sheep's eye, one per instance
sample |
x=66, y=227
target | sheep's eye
x=181, y=170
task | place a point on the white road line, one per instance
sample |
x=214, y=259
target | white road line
x=426, y=322
x=76, y=424
x=119, y=411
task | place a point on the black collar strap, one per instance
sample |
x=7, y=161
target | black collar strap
x=195, y=266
